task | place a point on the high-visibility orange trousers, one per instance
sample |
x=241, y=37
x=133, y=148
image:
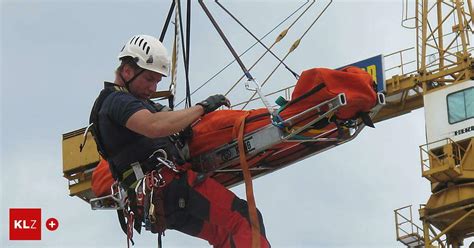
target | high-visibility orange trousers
x=202, y=207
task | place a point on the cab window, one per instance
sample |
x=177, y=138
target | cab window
x=461, y=105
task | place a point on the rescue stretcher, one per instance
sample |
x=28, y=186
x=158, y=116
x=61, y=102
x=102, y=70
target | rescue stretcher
x=271, y=147
x=314, y=120
x=304, y=129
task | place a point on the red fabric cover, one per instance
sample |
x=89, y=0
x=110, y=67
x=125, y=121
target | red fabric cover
x=102, y=179
x=216, y=128
x=353, y=81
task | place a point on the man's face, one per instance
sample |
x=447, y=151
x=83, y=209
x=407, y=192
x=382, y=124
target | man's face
x=145, y=84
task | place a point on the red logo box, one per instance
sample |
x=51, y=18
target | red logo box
x=25, y=223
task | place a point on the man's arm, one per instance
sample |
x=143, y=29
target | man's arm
x=161, y=124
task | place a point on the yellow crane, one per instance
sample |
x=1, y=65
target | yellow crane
x=444, y=84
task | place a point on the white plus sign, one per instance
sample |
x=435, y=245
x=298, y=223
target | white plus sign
x=52, y=224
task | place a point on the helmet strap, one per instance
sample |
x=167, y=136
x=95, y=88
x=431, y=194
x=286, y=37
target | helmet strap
x=127, y=83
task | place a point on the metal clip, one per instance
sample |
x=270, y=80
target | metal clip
x=163, y=153
x=151, y=210
x=164, y=159
x=168, y=164
x=149, y=181
x=140, y=192
x=118, y=194
x=161, y=181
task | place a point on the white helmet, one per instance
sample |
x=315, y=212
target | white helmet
x=148, y=53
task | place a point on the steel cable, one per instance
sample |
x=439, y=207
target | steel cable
x=292, y=48
x=255, y=37
x=278, y=39
x=247, y=50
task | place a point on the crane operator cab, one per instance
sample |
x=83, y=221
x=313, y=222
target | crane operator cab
x=447, y=160
x=449, y=115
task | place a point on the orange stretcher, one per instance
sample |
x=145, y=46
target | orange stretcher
x=325, y=110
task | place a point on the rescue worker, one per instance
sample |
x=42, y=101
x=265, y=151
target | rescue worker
x=133, y=134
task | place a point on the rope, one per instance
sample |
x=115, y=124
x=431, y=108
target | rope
x=255, y=37
x=226, y=41
x=278, y=39
x=185, y=52
x=248, y=49
x=292, y=48
x=174, y=60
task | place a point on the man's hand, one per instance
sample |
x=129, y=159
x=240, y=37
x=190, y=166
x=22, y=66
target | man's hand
x=214, y=102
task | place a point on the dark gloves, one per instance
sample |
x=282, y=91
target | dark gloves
x=214, y=102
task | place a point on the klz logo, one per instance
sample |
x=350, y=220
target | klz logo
x=25, y=224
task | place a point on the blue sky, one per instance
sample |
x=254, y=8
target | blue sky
x=56, y=54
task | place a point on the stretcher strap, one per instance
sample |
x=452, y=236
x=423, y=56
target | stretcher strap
x=239, y=125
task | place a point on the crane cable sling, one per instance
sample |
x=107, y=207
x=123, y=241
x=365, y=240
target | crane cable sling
x=185, y=51
x=239, y=128
x=252, y=209
x=278, y=39
x=226, y=41
x=172, y=87
x=243, y=53
x=188, y=41
x=174, y=61
x=292, y=48
x=167, y=22
x=257, y=39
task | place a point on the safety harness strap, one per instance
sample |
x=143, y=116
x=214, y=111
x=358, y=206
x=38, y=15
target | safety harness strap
x=109, y=88
x=130, y=221
x=239, y=129
x=131, y=148
x=133, y=215
x=123, y=223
